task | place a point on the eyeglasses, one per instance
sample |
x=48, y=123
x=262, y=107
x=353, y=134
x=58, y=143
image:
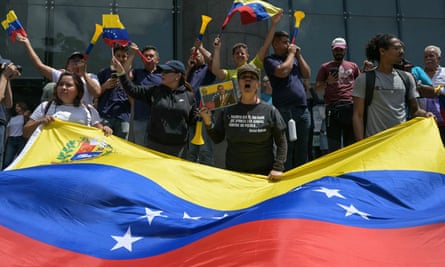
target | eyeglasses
x=397, y=47
x=250, y=77
x=169, y=71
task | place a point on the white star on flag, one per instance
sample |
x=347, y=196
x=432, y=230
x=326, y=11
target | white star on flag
x=151, y=214
x=125, y=241
x=186, y=216
x=330, y=192
x=221, y=217
x=351, y=210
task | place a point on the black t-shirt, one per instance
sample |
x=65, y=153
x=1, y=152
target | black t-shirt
x=250, y=131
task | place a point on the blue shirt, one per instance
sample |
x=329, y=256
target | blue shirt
x=113, y=103
x=288, y=91
x=200, y=76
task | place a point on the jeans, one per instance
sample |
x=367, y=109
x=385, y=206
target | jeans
x=201, y=153
x=297, y=151
x=120, y=127
x=14, y=144
x=339, y=128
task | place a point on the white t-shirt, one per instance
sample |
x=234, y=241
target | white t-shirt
x=87, y=97
x=81, y=114
x=15, y=125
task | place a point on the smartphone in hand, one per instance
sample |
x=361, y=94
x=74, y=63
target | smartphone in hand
x=333, y=70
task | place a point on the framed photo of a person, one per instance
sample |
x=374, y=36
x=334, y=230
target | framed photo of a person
x=219, y=95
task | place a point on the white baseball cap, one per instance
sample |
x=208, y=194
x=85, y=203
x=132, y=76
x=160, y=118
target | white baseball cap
x=338, y=43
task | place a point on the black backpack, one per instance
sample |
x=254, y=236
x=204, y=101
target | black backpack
x=369, y=93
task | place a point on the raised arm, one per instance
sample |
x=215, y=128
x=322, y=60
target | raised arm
x=45, y=70
x=305, y=70
x=9, y=72
x=133, y=48
x=283, y=70
x=262, y=52
x=93, y=84
x=216, y=61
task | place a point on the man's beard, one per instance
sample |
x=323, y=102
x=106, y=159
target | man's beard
x=339, y=57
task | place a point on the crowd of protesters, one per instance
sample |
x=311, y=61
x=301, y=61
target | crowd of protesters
x=264, y=132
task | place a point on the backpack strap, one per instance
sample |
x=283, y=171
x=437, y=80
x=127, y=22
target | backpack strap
x=406, y=81
x=48, y=104
x=369, y=93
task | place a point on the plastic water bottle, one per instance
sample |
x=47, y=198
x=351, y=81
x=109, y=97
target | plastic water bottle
x=292, y=130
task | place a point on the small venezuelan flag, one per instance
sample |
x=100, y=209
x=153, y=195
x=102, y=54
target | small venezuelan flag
x=251, y=11
x=13, y=26
x=114, y=31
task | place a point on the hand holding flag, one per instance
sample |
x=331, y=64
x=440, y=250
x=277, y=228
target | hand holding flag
x=251, y=11
x=13, y=26
x=114, y=32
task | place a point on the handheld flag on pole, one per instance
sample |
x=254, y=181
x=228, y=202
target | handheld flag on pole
x=251, y=11
x=114, y=31
x=299, y=16
x=97, y=33
x=13, y=26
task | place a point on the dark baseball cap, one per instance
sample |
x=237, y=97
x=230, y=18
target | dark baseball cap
x=173, y=65
x=249, y=68
x=4, y=60
x=76, y=54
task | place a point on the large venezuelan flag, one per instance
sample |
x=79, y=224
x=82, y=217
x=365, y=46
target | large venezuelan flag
x=13, y=26
x=114, y=31
x=77, y=198
x=251, y=11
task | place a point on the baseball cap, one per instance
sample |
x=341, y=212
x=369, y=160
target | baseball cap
x=4, y=60
x=249, y=68
x=76, y=54
x=174, y=65
x=338, y=43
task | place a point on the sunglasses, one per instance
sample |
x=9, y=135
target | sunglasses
x=169, y=71
x=250, y=77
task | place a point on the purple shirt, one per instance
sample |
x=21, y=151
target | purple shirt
x=342, y=90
